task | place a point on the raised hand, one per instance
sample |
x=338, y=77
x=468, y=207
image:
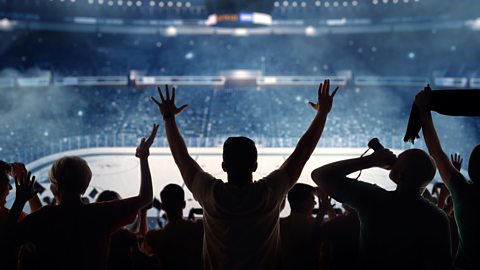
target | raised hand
x=324, y=102
x=422, y=99
x=25, y=187
x=18, y=170
x=457, y=161
x=167, y=105
x=143, y=149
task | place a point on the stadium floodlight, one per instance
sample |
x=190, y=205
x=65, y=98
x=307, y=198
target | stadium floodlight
x=240, y=32
x=171, y=31
x=474, y=24
x=310, y=31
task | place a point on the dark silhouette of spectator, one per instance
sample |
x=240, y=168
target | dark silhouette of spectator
x=299, y=231
x=465, y=195
x=24, y=184
x=340, y=241
x=72, y=235
x=179, y=244
x=241, y=217
x=122, y=241
x=18, y=172
x=399, y=229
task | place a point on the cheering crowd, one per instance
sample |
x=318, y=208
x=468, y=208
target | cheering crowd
x=408, y=228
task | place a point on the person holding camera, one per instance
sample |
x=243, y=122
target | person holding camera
x=398, y=229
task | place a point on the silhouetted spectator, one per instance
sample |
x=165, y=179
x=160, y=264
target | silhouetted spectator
x=179, y=244
x=19, y=172
x=72, y=235
x=299, y=231
x=241, y=217
x=465, y=195
x=122, y=241
x=399, y=229
x=24, y=184
x=340, y=241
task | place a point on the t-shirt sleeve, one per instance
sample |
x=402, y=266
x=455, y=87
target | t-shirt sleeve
x=458, y=185
x=358, y=194
x=202, y=188
x=277, y=182
x=116, y=214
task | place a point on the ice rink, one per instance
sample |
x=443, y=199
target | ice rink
x=118, y=169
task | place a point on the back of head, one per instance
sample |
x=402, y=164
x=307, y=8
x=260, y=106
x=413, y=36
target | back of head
x=108, y=195
x=5, y=169
x=474, y=165
x=416, y=168
x=173, y=198
x=299, y=196
x=71, y=174
x=239, y=155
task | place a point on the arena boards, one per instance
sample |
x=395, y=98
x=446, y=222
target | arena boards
x=117, y=168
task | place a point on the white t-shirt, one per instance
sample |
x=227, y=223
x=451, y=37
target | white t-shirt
x=241, y=224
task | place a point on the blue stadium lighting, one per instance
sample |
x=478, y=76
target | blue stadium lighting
x=411, y=55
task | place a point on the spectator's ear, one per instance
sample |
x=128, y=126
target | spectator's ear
x=255, y=167
x=224, y=167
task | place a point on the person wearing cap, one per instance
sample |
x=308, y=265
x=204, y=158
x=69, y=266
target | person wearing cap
x=241, y=216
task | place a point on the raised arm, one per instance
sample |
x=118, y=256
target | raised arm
x=332, y=178
x=307, y=143
x=445, y=167
x=186, y=164
x=145, y=195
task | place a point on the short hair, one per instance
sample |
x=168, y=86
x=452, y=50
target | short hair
x=420, y=168
x=108, y=195
x=298, y=194
x=239, y=154
x=474, y=165
x=5, y=167
x=172, y=197
x=71, y=174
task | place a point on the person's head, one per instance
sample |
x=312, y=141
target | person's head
x=474, y=165
x=301, y=198
x=239, y=156
x=108, y=195
x=5, y=186
x=172, y=197
x=69, y=177
x=414, y=169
